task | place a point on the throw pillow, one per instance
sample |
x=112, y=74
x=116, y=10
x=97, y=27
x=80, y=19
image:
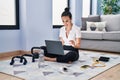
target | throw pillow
x=96, y=26
x=91, y=19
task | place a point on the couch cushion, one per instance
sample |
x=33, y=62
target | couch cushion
x=113, y=35
x=112, y=22
x=92, y=35
x=92, y=19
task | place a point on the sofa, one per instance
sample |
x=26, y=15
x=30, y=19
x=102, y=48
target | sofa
x=108, y=40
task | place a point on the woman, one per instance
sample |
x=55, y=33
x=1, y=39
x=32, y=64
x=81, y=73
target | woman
x=70, y=37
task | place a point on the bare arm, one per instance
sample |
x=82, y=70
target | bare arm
x=76, y=43
x=61, y=39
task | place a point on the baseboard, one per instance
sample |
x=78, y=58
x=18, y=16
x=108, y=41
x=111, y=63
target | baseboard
x=24, y=52
x=11, y=53
x=7, y=55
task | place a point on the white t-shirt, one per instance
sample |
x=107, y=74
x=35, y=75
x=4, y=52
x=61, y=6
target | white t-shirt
x=73, y=34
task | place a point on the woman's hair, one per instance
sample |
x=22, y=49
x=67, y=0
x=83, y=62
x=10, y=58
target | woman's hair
x=67, y=13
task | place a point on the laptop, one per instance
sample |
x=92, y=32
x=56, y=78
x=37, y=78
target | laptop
x=54, y=47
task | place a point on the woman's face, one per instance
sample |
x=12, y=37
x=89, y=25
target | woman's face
x=66, y=20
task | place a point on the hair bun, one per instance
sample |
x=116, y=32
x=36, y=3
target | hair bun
x=66, y=9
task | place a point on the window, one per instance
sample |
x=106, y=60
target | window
x=58, y=7
x=9, y=14
x=86, y=8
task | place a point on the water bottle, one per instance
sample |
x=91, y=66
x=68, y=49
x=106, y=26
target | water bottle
x=41, y=59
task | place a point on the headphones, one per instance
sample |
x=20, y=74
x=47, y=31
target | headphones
x=21, y=60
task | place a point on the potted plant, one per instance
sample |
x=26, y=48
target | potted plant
x=110, y=6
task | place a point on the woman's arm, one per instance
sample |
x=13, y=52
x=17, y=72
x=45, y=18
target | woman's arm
x=76, y=43
x=61, y=39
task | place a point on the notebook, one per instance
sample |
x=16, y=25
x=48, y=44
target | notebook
x=54, y=47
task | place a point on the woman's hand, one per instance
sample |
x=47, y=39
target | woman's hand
x=76, y=43
x=72, y=43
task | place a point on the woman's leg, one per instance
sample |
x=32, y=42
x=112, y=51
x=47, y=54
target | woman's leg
x=70, y=48
x=48, y=56
x=73, y=55
x=69, y=57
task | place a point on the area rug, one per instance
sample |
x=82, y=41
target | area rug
x=82, y=69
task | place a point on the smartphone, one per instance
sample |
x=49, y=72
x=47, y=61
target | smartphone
x=105, y=59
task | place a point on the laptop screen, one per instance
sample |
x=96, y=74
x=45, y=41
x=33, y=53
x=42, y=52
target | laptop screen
x=54, y=47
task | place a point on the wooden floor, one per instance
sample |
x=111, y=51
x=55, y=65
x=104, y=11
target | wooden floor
x=111, y=74
x=4, y=76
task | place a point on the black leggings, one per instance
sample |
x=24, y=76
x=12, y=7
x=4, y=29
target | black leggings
x=73, y=55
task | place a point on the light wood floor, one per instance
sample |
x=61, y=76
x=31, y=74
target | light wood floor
x=4, y=76
x=111, y=74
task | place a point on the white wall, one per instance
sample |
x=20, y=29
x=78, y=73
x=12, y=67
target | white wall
x=23, y=24
x=9, y=40
x=38, y=26
x=76, y=10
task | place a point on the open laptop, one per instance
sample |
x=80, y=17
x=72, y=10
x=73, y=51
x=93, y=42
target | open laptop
x=54, y=47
